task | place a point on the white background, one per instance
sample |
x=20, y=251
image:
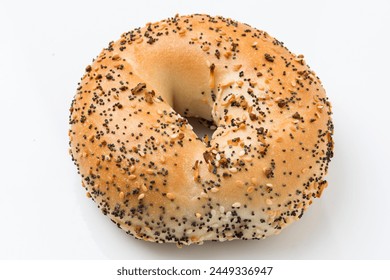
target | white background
x=44, y=48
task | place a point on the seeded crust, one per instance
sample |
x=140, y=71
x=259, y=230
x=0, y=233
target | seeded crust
x=143, y=165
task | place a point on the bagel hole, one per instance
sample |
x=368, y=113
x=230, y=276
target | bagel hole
x=202, y=127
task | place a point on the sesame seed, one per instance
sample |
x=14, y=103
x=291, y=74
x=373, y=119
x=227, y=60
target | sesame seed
x=115, y=57
x=174, y=136
x=239, y=183
x=227, y=54
x=248, y=159
x=171, y=196
x=233, y=170
x=149, y=171
x=203, y=195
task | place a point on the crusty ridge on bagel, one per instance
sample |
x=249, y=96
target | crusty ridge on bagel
x=144, y=166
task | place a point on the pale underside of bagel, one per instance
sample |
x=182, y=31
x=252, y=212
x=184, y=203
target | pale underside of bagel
x=144, y=166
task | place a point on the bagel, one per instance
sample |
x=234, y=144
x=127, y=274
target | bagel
x=144, y=166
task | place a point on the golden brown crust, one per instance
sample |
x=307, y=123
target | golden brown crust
x=141, y=161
